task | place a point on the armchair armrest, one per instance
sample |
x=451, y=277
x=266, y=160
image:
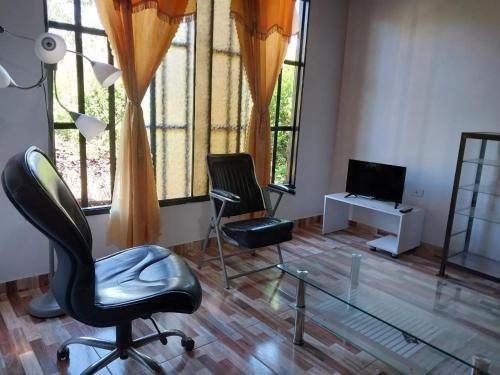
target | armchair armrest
x=282, y=188
x=225, y=196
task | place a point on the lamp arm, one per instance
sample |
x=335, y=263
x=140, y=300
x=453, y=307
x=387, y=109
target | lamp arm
x=38, y=84
x=19, y=36
x=4, y=30
x=81, y=54
x=57, y=96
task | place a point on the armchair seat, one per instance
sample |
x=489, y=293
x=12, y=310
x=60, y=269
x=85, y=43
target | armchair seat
x=144, y=279
x=260, y=232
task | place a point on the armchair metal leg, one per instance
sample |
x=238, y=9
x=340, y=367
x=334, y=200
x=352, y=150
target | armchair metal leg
x=279, y=253
x=204, y=245
x=221, y=257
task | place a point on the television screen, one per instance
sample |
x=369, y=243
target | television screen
x=380, y=181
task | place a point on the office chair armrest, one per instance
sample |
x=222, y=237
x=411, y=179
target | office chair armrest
x=225, y=196
x=282, y=188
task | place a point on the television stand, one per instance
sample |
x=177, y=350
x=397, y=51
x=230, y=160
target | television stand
x=407, y=228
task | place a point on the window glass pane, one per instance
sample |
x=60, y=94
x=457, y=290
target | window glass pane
x=246, y=110
x=96, y=97
x=60, y=10
x=90, y=16
x=273, y=105
x=283, y=154
x=225, y=101
x=303, y=33
x=66, y=80
x=292, y=53
x=68, y=158
x=228, y=97
x=174, y=117
x=120, y=100
x=145, y=105
x=225, y=37
x=181, y=36
x=99, y=170
x=288, y=93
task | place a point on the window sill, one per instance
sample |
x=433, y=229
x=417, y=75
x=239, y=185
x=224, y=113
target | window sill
x=102, y=210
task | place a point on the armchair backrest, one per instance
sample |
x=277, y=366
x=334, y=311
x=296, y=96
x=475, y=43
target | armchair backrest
x=39, y=193
x=235, y=173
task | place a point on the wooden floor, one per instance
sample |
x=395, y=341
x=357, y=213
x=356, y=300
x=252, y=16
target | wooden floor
x=246, y=330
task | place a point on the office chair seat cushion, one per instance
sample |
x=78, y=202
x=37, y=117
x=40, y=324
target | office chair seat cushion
x=253, y=233
x=143, y=280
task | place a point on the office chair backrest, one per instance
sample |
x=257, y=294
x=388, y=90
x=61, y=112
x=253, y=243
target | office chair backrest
x=235, y=173
x=39, y=193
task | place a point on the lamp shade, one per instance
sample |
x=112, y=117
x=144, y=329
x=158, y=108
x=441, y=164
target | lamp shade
x=50, y=48
x=5, y=78
x=89, y=126
x=106, y=74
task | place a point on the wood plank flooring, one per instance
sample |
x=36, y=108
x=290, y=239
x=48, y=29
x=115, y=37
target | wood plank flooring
x=246, y=330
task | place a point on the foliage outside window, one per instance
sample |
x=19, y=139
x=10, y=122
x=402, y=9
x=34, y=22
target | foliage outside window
x=197, y=103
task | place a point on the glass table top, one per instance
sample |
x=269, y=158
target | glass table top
x=413, y=321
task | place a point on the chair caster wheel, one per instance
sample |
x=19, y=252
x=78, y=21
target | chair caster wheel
x=63, y=355
x=188, y=344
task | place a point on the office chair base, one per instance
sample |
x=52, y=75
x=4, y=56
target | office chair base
x=124, y=347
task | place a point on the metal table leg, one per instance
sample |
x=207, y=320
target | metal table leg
x=298, y=337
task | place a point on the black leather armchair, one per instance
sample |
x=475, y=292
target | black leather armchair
x=235, y=191
x=111, y=291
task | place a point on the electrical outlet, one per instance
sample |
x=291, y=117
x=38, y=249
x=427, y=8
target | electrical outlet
x=417, y=193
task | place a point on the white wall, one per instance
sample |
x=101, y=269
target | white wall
x=24, y=252
x=23, y=122
x=416, y=75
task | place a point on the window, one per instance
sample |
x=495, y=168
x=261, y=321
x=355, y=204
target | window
x=197, y=103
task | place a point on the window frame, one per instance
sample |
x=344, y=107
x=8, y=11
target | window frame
x=299, y=84
x=79, y=30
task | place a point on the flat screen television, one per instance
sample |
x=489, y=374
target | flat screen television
x=379, y=181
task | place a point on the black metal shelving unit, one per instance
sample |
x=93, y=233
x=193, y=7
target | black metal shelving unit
x=474, y=217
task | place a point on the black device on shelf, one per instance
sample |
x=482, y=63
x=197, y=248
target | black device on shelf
x=381, y=181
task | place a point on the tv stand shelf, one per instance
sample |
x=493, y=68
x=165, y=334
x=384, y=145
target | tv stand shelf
x=407, y=228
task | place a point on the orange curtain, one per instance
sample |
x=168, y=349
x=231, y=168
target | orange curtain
x=264, y=29
x=140, y=33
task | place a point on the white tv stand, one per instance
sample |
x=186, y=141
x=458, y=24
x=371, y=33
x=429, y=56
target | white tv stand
x=407, y=228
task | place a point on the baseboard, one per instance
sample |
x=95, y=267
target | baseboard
x=27, y=283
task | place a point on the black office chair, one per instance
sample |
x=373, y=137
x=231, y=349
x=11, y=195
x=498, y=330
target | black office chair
x=235, y=191
x=111, y=291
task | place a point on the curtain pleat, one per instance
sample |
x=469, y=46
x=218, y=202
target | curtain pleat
x=140, y=33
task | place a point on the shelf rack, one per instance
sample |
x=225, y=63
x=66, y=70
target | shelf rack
x=465, y=259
